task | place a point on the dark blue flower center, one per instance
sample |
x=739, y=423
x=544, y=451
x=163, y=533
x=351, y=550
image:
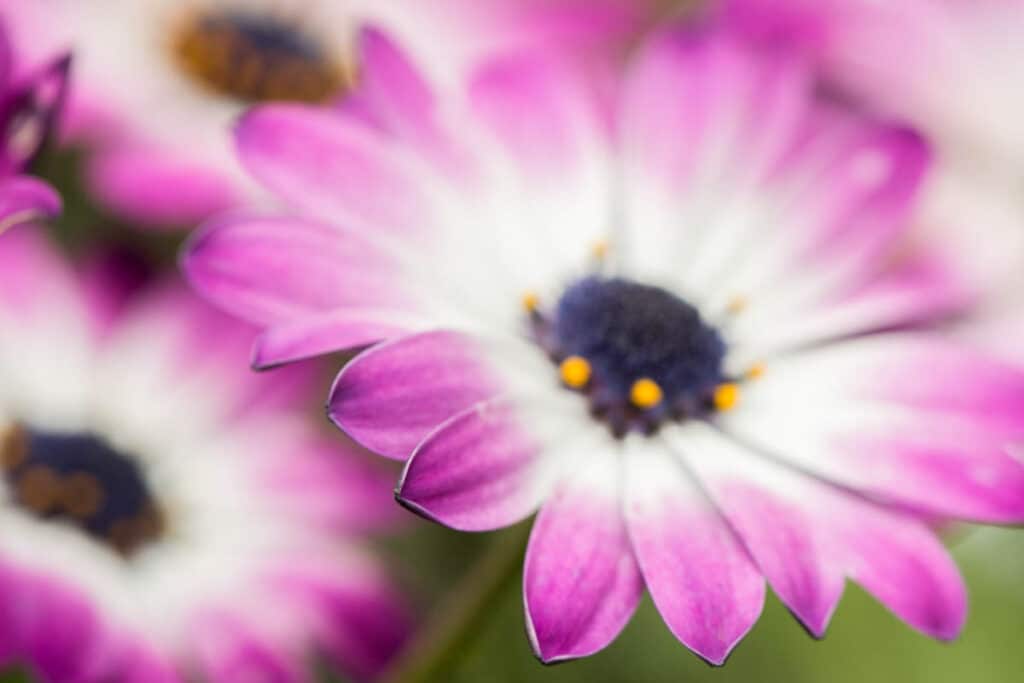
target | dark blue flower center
x=640, y=353
x=80, y=480
x=257, y=57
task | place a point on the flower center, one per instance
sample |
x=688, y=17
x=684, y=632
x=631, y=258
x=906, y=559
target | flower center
x=641, y=354
x=257, y=58
x=79, y=479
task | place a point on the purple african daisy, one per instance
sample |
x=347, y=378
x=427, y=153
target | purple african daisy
x=28, y=108
x=684, y=330
x=166, y=513
x=158, y=81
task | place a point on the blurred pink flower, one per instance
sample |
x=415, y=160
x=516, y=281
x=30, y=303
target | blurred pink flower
x=158, y=82
x=683, y=329
x=950, y=68
x=165, y=512
x=29, y=105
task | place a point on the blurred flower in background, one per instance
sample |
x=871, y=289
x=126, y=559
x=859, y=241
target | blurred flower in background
x=675, y=337
x=164, y=513
x=29, y=105
x=158, y=82
x=951, y=69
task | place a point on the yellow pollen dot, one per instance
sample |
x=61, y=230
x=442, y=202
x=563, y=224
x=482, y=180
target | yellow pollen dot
x=645, y=393
x=600, y=249
x=737, y=305
x=13, y=447
x=575, y=371
x=727, y=396
x=531, y=300
x=756, y=371
x=81, y=495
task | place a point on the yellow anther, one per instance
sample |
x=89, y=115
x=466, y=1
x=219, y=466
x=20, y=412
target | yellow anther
x=737, y=305
x=755, y=371
x=600, y=249
x=727, y=396
x=645, y=393
x=531, y=300
x=575, y=372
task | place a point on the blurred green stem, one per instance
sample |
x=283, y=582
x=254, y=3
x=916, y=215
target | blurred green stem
x=461, y=617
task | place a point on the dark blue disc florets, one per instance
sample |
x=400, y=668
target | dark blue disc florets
x=81, y=480
x=630, y=331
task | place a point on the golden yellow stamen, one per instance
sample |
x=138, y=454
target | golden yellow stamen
x=575, y=372
x=531, y=300
x=13, y=447
x=38, y=489
x=645, y=393
x=727, y=396
x=81, y=495
x=600, y=249
x=737, y=305
x=755, y=371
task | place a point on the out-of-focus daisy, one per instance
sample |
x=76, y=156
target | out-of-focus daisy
x=158, y=82
x=29, y=104
x=950, y=68
x=669, y=336
x=167, y=514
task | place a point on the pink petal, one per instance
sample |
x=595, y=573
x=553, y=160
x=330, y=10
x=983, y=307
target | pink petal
x=390, y=397
x=228, y=650
x=158, y=188
x=32, y=275
x=701, y=578
x=581, y=583
x=23, y=199
x=782, y=533
x=272, y=270
x=316, y=335
x=488, y=466
x=538, y=112
x=332, y=167
x=904, y=418
x=807, y=536
x=332, y=486
x=360, y=620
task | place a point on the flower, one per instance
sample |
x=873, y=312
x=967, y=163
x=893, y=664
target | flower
x=685, y=337
x=28, y=109
x=159, y=81
x=166, y=513
x=887, y=55
x=908, y=59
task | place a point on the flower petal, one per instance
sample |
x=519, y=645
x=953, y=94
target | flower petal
x=808, y=536
x=390, y=397
x=158, y=187
x=315, y=335
x=273, y=269
x=781, y=534
x=493, y=464
x=905, y=418
x=229, y=650
x=23, y=199
x=360, y=620
x=332, y=167
x=399, y=98
x=539, y=112
x=701, y=578
x=581, y=583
